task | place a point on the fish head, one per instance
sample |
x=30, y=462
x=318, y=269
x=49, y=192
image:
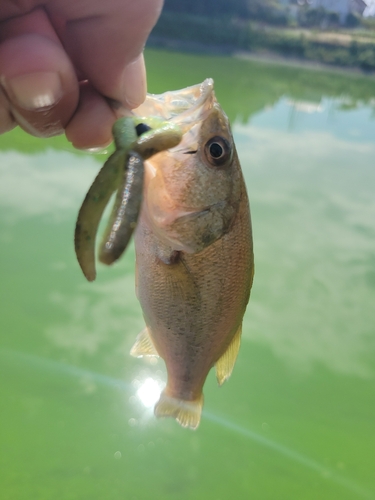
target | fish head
x=193, y=188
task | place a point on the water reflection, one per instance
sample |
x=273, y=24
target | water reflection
x=148, y=381
x=44, y=183
x=308, y=107
x=314, y=236
x=293, y=455
x=147, y=392
x=96, y=315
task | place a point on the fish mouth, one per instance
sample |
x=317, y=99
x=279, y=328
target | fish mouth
x=185, y=107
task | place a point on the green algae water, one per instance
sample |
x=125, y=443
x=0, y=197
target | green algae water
x=297, y=418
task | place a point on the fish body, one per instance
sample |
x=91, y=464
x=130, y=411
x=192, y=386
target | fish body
x=194, y=251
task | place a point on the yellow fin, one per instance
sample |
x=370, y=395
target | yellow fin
x=143, y=345
x=224, y=366
x=187, y=413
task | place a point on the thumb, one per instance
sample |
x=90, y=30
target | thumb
x=39, y=83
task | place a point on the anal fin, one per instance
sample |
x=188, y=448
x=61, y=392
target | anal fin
x=224, y=366
x=187, y=413
x=143, y=345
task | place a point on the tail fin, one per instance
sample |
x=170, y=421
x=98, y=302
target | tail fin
x=187, y=413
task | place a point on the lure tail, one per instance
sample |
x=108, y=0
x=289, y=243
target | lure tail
x=187, y=413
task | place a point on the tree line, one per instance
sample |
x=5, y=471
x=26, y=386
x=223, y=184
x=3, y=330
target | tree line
x=225, y=8
x=272, y=12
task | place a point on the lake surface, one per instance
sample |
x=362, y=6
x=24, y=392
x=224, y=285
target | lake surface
x=297, y=418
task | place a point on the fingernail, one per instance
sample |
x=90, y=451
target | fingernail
x=97, y=149
x=134, y=82
x=34, y=91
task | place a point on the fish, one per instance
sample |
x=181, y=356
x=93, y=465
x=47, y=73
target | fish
x=180, y=187
x=194, y=250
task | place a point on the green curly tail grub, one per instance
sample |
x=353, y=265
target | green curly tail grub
x=92, y=210
x=123, y=171
x=125, y=211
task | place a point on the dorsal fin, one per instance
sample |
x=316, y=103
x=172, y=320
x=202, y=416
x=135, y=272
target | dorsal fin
x=224, y=365
x=143, y=345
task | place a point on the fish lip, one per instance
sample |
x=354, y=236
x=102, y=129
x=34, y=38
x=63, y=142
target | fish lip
x=185, y=107
x=198, y=109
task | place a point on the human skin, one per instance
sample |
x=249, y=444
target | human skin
x=72, y=65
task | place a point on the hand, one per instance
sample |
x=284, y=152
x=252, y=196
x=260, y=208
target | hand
x=63, y=61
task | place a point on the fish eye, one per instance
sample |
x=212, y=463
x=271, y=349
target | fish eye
x=218, y=151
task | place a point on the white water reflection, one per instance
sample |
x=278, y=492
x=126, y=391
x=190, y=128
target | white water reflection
x=96, y=315
x=44, y=183
x=147, y=383
x=313, y=207
x=149, y=392
x=308, y=107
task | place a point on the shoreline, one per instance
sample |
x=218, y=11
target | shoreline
x=293, y=62
x=261, y=56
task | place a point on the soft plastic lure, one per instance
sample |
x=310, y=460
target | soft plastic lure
x=136, y=140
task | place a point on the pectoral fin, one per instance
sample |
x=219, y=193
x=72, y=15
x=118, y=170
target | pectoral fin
x=143, y=345
x=224, y=366
x=196, y=231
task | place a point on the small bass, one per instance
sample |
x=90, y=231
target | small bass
x=193, y=239
x=194, y=251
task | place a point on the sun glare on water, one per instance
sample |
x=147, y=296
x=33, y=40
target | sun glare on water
x=149, y=392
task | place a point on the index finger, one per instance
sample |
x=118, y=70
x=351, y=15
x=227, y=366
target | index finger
x=105, y=41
